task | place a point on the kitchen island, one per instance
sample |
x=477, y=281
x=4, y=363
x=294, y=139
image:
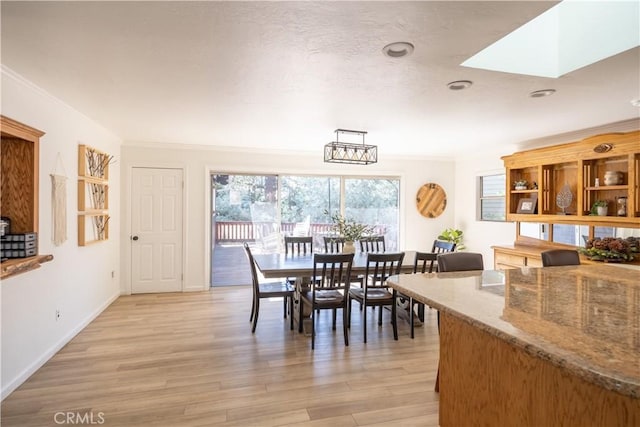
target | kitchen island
x=536, y=346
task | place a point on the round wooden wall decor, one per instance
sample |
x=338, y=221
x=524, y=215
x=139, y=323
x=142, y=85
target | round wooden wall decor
x=431, y=200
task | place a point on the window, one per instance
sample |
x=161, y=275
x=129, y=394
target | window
x=491, y=201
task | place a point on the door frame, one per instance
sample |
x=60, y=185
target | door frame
x=126, y=222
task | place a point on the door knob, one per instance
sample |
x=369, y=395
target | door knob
x=134, y=238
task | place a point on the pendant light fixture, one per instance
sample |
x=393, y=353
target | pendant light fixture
x=349, y=152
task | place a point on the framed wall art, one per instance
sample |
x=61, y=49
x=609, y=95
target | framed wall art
x=527, y=205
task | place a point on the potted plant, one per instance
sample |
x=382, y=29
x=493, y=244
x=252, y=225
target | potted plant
x=452, y=235
x=349, y=229
x=600, y=208
x=521, y=184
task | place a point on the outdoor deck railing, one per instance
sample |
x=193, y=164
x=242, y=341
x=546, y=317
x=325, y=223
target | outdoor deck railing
x=238, y=231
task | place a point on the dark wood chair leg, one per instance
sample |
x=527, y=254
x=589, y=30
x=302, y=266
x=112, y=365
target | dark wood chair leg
x=411, y=316
x=291, y=311
x=364, y=321
x=313, y=329
x=335, y=314
x=255, y=316
x=300, y=312
x=344, y=325
x=394, y=320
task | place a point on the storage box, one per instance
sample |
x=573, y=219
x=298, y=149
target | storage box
x=18, y=245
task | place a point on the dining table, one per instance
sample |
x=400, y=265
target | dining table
x=300, y=267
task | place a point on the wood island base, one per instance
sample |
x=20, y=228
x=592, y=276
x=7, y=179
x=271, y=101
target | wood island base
x=485, y=380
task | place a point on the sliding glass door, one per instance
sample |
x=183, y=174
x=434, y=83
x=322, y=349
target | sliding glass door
x=262, y=209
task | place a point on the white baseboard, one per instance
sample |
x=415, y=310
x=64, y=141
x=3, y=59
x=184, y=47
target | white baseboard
x=30, y=370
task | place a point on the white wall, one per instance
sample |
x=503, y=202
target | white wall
x=78, y=281
x=417, y=232
x=479, y=236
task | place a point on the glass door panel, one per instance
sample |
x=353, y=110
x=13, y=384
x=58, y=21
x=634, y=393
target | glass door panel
x=375, y=202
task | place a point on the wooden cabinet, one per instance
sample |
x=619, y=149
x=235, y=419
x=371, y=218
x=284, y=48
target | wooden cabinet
x=567, y=179
x=19, y=173
x=507, y=257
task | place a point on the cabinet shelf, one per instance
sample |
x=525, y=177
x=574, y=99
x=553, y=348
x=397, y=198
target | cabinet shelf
x=524, y=191
x=607, y=188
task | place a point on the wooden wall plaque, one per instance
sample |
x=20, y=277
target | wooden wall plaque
x=431, y=200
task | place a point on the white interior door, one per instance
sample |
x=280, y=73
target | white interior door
x=156, y=230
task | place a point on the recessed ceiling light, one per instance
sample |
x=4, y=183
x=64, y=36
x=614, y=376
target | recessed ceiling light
x=635, y=102
x=398, y=49
x=542, y=93
x=459, y=84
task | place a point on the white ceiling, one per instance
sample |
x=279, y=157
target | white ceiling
x=285, y=75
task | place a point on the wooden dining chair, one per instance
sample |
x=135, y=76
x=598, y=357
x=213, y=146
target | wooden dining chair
x=456, y=261
x=372, y=244
x=375, y=292
x=333, y=244
x=329, y=290
x=294, y=245
x=558, y=257
x=459, y=261
x=282, y=289
x=426, y=262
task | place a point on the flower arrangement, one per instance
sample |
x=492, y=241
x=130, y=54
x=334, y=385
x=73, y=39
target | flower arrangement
x=349, y=228
x=613, y=249
x=521, y=184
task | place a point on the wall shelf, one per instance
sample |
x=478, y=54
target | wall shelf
x=93, y=195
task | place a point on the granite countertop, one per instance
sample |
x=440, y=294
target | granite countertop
x=585, y=319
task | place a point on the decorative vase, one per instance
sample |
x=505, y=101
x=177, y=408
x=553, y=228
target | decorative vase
x=602, y=210
x=348, y=247
x=612, y=178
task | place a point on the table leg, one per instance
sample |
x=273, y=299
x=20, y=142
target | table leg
x=302, y=283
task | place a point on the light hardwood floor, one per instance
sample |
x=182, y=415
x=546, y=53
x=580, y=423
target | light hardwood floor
x=191, y=360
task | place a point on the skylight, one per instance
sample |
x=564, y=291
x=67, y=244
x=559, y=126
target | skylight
x=569, y=36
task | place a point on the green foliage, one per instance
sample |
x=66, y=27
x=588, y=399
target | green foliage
x=597, y=204
x=348, y=227
x=452, y=235
x=369, y=200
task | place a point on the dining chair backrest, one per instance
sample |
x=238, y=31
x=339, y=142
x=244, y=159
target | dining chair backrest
x=372, y=244
x=380, y=267
x=333, y=244
x=557, y=257
x=254, y=272
x=424, y=262
x=294, y=245
x=332, y=271
x=440, y=246
x=459, y=261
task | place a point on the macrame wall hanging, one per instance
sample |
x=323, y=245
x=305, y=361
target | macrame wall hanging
x=59, y=203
